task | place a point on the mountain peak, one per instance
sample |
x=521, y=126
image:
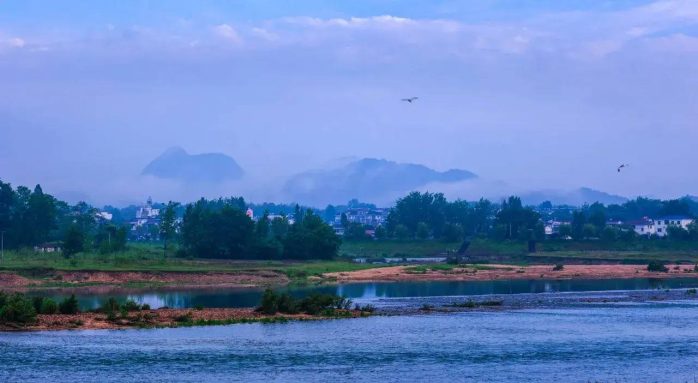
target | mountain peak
x=176, y=164
x=368, y=179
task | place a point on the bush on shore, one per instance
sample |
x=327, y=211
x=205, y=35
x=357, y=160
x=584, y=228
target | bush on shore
x=69, y=305
x=44, y=305
x=657, y=266
x=315, y=304
x=16, y=308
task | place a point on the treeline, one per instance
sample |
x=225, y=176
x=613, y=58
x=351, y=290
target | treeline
x=31, y=217
x=430, y=215
x=221, y=229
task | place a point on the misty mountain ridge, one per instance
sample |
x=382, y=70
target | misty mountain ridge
x=367, y=179
x=176, y=164
x=577, y=197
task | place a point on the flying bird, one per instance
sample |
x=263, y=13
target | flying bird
x=622, y=166
x=410, y=100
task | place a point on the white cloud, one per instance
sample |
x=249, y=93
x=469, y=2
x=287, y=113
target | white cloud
x=228, y=32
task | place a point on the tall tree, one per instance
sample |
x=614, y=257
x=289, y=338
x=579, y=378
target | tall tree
x=168, y=224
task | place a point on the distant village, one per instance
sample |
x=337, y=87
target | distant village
x=145, y=225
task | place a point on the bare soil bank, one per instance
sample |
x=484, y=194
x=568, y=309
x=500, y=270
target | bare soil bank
x=14, y=281
x=499, y=272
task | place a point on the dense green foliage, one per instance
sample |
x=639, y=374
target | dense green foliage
x=221, y=229
x=31, y=217
x=16, y=309
x=657, y=266
x=69, y=305
x=430, y=215
x=315, y=304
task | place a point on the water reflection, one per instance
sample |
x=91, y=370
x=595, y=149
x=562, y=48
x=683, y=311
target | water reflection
x=249, y=297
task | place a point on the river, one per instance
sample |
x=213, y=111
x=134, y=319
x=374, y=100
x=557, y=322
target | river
x=654, y=342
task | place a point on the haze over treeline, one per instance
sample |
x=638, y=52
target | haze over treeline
x=546, y=95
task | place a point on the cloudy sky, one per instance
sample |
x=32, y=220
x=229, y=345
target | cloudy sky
x=531, y=94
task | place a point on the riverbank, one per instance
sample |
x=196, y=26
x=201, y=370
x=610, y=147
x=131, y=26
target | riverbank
x=319, y=273
x=443, y=272
x=165, y=317
x=28, y=279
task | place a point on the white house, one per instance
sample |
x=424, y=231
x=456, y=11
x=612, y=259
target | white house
x=645, y=226
x=662, y=224
x=659, y=226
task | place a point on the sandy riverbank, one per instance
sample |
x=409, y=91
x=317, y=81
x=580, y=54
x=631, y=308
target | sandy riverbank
x=163, y=318
x=14, y=281
x=503, y=272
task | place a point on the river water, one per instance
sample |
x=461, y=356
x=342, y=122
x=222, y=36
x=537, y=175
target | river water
x=367, y=292
x=650, y=342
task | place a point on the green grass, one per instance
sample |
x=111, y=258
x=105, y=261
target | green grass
x=150, y=258
x=382, y=249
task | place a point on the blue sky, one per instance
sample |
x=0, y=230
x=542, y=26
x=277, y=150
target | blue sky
x=528, y=94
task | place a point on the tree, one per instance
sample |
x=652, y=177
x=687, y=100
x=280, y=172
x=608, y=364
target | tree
x=355, y=231
x=609, y=234
x=380, y=233
x=579, y=219
x=263, y=227
x=588, y=231
x=517, y=219
x=168, y=224
x=565, y=231
x=422, y=231
x=402, y=232
x=74, y=241
x=453, y=232
x=597, y=215
x=42, y=213
x=311, y=238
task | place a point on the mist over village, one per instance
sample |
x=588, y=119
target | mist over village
x=359, y=191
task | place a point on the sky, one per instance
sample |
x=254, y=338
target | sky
x=527, y=94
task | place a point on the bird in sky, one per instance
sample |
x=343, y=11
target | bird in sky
x=622, y=166
x=410, y=100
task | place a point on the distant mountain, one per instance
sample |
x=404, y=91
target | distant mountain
x=177, y=164
x=576, y=197
x=367, y=179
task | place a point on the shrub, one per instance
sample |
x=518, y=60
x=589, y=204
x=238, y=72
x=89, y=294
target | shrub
x=287, y=304
x=269, y=304
x=657, y=266
x=48, y=306
x=559, y=267
x=315, y=304
x=184, y=318
x=69, y=305
x=130, y=305
x=110, y=306
x=366, y=308
x=145, y=306
x=17, y=309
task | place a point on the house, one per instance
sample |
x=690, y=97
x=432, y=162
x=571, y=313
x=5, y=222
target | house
x=552, y=227
x=103, y=216
x=48, y=247
x=145, y=227
x=644, y=226
x=364, y=216
x=662, y=224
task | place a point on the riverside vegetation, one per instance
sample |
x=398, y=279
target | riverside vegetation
x=18, y=311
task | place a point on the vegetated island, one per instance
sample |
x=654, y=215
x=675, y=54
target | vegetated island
x=21, y=313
